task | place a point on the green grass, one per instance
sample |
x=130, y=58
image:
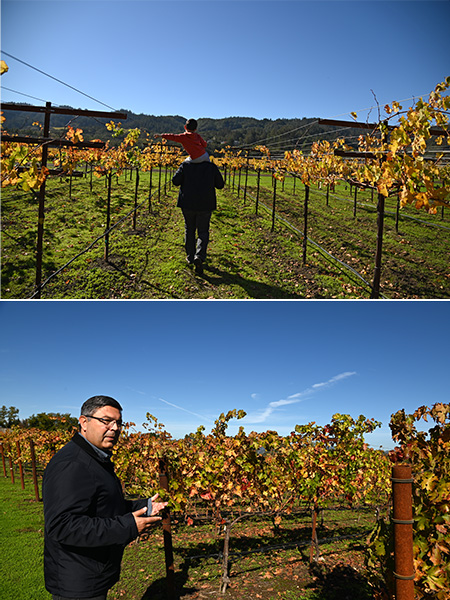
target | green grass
x=414, y=261
x=256, y=571
x=246, y=260
x=22, y=543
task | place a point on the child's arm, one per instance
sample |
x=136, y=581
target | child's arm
x=172, y=137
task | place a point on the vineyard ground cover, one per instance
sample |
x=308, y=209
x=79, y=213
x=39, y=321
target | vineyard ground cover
x=271, y=574
x=260, y=567
x=22, y=543
x=414, y=261
x=246, y=260
x=149, y=262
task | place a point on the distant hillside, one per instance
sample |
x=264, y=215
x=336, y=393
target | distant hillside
x=278, y=134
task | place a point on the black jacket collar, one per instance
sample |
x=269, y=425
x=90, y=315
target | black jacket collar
x=80, y=441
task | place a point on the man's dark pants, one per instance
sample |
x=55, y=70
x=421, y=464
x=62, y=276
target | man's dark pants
x=196, y=233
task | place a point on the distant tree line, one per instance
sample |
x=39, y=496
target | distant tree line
x=230, y=131
x=9, y=417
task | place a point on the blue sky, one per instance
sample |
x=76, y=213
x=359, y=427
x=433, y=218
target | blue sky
x=185, y=362
x=215, y=58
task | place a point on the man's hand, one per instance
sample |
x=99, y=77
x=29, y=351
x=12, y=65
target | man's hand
x=143, y=522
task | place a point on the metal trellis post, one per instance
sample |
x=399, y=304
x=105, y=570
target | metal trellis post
x=403, y=532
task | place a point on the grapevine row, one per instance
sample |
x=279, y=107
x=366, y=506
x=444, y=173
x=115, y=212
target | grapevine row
x=231, y=476
x=261, y=470
x=392, y=156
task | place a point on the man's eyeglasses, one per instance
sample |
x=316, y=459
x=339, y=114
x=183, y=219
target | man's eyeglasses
x=107, y=422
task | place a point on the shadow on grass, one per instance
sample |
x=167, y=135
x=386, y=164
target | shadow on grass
x=118, y=264
x=340, y=583
x=159, y=590
x=254, y=289
x=19, y=266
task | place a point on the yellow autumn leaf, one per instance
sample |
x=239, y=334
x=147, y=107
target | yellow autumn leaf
x=78, y=136
x=406, y=197
x=3, y=67
x=394, y=146
x=421, y=200
x=382, y=189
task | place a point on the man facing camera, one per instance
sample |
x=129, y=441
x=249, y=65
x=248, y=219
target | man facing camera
x=88, y=522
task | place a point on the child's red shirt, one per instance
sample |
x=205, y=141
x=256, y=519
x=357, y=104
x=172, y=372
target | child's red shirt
x=191, y=141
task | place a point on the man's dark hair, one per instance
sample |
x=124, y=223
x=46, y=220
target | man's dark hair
x=191, y=124
x=93, y=404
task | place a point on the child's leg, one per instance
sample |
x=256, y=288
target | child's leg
x=202, y=158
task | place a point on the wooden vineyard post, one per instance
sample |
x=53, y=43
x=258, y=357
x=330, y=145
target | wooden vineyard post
x=11, y=466
x=167, y=533
x=380, y=225
x=314, y=539
x=160, y=172
x=355, y=199
x=258, y=185
x=305, y=223
x=2, y=451
x=41, y=209
x=226, y=554
x=403, y=532
x=33, y=466
x=22, y=480
x=150, y=191
x=274, y=200
x=246, y=177
x=135, y=200
x=108, y=217
x=166, y=170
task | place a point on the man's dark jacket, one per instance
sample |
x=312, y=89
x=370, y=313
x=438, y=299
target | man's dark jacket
x=87, y=522
x=198, y=183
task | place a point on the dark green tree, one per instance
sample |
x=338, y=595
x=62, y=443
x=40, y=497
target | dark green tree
x=51, y=421
x=9, y=416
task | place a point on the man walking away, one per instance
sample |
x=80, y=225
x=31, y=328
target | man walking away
x=197, y=199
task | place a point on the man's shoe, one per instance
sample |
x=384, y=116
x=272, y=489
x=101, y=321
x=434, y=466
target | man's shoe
x=198, y=263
